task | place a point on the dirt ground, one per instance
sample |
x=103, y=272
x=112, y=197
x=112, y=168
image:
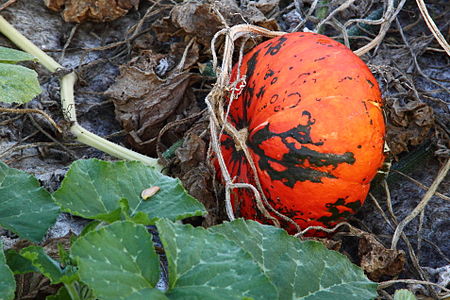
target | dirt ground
x=144, y=48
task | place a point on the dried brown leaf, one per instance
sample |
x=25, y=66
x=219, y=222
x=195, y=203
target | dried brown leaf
x=55, y=5
x=197, y=176
x=265, y=6
x=201, y=20
x=143, y=101
x=409, y=124
x=92, y=10
x=377, y=260
x=197, y=20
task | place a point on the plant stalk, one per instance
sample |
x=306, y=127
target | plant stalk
x=74, y=295
x=68, y=102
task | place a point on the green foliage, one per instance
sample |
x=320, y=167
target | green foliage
x=48, y=266
x=117, y=260
x=7, y=284
x=206, y=265
x=11, y=56
x=19, y=264
x=148, y=293
x=17, y=83
x=27, y=208
x=404, y=295
x=93, y=189
x=299, y=269
x=62, y=294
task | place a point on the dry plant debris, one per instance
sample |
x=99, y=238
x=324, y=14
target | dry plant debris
x=144, y=101
x=378, y=261
x=91, y=10
x=203, y=19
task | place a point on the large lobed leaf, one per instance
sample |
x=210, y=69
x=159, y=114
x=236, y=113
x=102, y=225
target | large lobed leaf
x=8, y=55
x=299, y=269
x=48, y=266
x=19, y=264
x=17, y=83
x=205, y=265
x=117, y=261
x=7, y=283
x=26, y=208
x=237, y=260
x=93, y=189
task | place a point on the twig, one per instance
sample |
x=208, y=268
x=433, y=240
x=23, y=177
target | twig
x=383, y=214
x=426, y=198
x=27, y=146
x=389, y=202
x=412, y=255
x=414, y=56
x=342, y=7
x=385, y=284
x=7, y=4
x=442, y=196
x=71, y=153
x=432, y=26
x=29, y=111
x=327, y=230
x=69, y=39
x=388, y=18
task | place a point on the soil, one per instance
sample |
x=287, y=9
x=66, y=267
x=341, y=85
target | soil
x=417, y=109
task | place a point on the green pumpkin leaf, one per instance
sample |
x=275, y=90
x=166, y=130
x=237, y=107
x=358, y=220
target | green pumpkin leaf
x=19, y=264
x=204, y=265
x=117, y=261
x=299, y=269
x=48, y=266
x=94, y=189
x=8, y=55
x=404, y=295
x=7, y=283
x=153, y=294
x=18, y=84
x=62, y=294
x=26, y=208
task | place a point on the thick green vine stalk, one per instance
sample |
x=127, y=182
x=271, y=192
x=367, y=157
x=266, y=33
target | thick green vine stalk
x=68, y=103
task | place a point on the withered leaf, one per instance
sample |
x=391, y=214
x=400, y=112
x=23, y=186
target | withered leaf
x=265, y=6
x=91, y=10
x=55, y=5
x=409, y=123
x=143, y=101
x=377, y=260
x=202, y=20
x=197, y=176
x=197, y=19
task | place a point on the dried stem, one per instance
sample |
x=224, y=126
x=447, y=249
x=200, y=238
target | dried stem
x=422, y=204
x=219, y=116
x=32, y=110
x=432, y=26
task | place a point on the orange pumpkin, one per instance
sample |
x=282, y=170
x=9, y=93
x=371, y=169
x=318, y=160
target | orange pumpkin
x=313, y=113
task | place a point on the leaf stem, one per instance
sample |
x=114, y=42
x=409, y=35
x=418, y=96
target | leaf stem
x=74, y=295
x=25, y=44
x=68, y=102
